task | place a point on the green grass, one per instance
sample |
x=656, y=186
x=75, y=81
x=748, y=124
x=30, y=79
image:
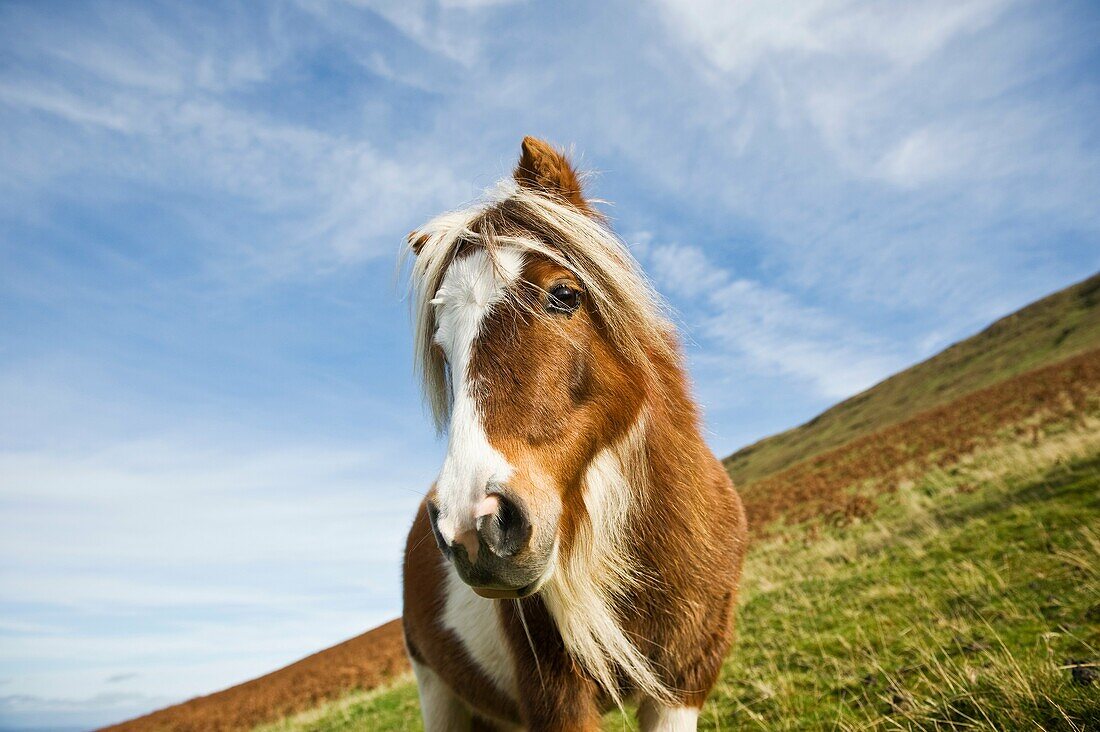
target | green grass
x=1059, y=326
x=393, y=707
x=949, y=610
x=958, y=606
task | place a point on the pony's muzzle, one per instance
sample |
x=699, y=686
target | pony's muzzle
x=489, y=554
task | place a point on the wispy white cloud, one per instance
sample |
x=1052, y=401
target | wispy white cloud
x=64, y=105
x=754, y=328
x=449, y=28
x=739, y=38
x=773, y=332
x=352, y=204
x=170, y=114
x=685, y=270
x=161, y=51
x=877, y=145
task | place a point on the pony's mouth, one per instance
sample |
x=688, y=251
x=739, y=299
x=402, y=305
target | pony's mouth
x=494, y=593
x=498, y=593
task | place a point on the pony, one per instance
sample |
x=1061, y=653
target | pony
x=587, y=543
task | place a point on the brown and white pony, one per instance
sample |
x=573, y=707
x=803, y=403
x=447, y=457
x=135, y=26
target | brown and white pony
x=588, y=545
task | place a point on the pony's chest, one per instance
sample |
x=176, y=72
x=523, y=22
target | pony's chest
x=476, y=622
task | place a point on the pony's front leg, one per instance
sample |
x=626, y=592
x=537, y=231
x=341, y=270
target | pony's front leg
x=440, y=708
x=561, y=701
x=654, y=717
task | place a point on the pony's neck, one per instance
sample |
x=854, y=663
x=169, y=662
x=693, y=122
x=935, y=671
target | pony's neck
x=671, y=446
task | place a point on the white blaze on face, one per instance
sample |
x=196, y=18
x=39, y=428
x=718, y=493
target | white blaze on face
x=470, y=289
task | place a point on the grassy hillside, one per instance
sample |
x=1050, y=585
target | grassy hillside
x=841, y=483
x=962, y=591
x=1054, y=328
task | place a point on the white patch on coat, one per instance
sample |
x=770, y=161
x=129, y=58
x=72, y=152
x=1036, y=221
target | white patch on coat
x=476, y=621
x=656, y=718
x=440, y=708
x=470, y=289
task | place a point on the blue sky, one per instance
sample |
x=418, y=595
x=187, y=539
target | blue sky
x=210, y=441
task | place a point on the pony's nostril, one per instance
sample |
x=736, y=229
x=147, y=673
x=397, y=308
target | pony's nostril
x=433, y=520
x=506, y=530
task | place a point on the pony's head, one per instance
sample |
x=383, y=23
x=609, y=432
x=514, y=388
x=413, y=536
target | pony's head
x=539, y=342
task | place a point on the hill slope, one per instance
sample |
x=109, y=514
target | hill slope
x=1054, y=328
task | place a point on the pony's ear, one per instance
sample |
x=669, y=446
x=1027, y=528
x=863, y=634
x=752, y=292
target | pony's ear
x=416, y=240
x=543, y=168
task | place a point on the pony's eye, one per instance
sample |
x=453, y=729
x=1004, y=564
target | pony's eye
x=563, y=299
